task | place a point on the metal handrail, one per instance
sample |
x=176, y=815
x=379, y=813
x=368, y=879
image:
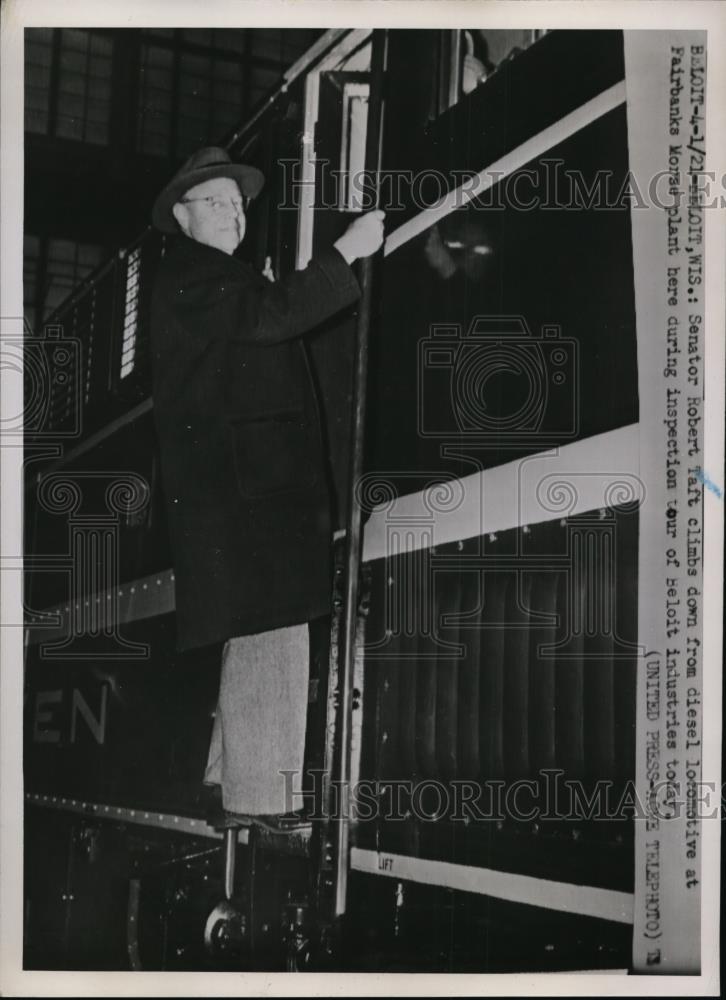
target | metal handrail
x=354, y=521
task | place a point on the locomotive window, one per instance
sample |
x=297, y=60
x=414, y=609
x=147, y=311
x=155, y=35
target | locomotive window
x=474, y=55
x=483, y=52
x=353, y=145
x=333, y=136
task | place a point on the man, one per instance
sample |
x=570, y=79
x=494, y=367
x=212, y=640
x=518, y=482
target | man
x=242, y=464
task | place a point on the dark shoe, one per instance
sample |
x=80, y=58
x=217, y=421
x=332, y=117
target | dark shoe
x=278, y=823
x=286, y=822
x=226, y=820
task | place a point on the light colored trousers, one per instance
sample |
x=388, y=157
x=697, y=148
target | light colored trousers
x=259, y=726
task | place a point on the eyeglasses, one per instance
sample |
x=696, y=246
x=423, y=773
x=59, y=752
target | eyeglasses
x=219, y=204
x=481, y=249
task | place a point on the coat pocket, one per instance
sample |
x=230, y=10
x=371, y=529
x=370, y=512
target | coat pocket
x=276, y=453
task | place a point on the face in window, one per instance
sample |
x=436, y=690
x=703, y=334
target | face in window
x=213, y=213
x=460, y=243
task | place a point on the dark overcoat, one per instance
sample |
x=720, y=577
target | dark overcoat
x=241, y=449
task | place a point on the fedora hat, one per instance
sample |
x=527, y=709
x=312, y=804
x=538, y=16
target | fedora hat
x=204, y=165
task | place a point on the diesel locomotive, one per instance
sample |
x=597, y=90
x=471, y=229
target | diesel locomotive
x=489, y=728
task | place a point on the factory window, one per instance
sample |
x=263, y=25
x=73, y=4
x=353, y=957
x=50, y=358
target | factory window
x=84, y=86
x=52, y=270
x=188, y=96
x=187, y=99
x=31, y=253
x=160, y=32
x=276, y=45
x=210, y=99
x=199, y=36
x=67, y=264
x=196, y=85
x=68, y=84
x=155, y=97
x=38, y=58
x=261, y=83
